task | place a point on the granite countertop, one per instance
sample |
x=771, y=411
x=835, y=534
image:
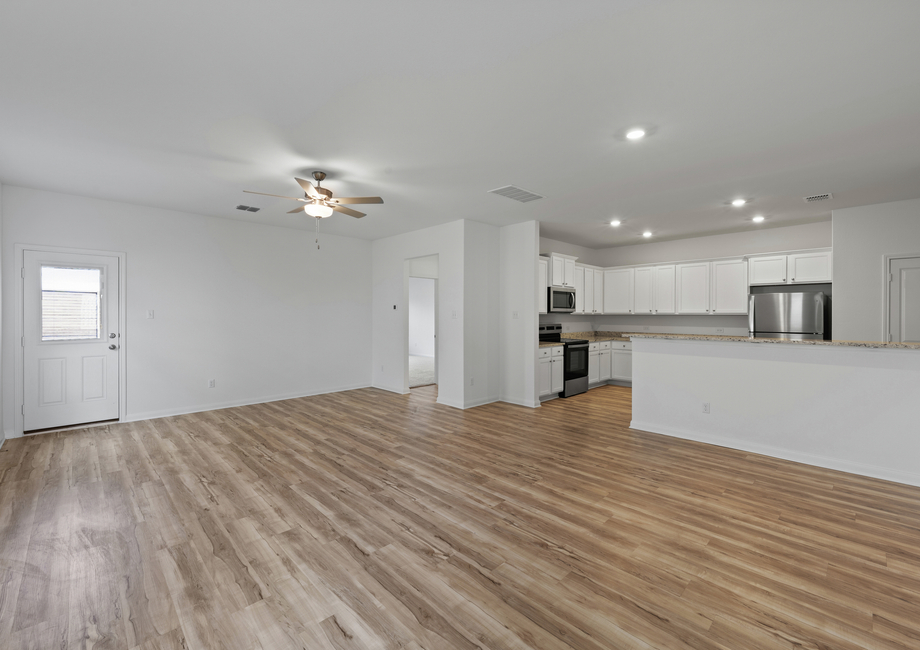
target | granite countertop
x=745, y=339
x=596, y=337
x=549, y=345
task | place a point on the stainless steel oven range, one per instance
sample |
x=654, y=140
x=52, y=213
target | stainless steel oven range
x=575, y=359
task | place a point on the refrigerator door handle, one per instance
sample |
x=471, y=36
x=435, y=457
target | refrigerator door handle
x=751, y=315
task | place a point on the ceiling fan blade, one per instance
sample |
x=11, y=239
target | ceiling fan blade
x=300, y=209
x=294, y=198
x=308, y=188
x=346, y=200
x=348, y=211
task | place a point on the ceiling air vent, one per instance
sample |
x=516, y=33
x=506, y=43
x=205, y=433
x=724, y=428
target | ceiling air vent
x=818, y=197
x=247, y=208
x=516, y=193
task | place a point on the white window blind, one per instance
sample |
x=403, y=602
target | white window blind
x=71, y=303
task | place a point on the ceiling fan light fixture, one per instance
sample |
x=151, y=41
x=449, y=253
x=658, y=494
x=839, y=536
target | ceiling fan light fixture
x=635, y=134
x=318, y=210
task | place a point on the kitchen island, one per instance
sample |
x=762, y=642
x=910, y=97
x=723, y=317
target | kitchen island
x=846, y=405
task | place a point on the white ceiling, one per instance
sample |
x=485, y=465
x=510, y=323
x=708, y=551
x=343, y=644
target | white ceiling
x=182, y=105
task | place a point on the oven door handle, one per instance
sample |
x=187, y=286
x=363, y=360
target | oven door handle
x=579, y=346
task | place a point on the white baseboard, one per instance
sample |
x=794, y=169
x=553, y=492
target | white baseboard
x=480, y=402
x=862, y=469
x=391, y=389
x=451, y=403
x=520, y=402
x=165, y=413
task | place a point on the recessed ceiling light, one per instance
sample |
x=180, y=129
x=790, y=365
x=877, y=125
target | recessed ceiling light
x=739, y=202
x=647, y=233
x=758, y=218
x=635, y=134
x=615, y=223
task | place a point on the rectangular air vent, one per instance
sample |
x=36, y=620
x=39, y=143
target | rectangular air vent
x=247, y=208
x=516, y=193
x=818, y=197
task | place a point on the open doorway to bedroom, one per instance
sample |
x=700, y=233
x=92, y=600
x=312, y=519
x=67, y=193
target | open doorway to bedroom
x=423, y=321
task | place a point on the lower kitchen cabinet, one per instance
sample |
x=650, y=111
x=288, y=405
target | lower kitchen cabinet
x=594, y=366
x=621, y=365
x=604, y=370
x=550, y=370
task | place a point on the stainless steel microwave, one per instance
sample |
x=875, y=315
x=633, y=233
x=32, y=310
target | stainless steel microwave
x=561, y=299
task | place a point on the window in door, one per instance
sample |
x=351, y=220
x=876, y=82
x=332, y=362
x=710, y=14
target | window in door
x=71, y=305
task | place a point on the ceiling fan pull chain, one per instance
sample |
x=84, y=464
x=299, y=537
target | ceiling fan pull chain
x=317, y=232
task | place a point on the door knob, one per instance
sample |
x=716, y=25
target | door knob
x=112, y=335
x=113, y=347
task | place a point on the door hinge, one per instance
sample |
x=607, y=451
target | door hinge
x=889, y=337
x=891, y=277
x=22, y=341
x=22, y=272
x=22, y=409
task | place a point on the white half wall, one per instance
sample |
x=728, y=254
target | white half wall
x=844, y=408
x=518, y=312
x=421, y=316
x=862, y=238
x=252, y=306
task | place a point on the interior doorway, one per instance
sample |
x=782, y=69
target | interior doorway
x=422, y=347
x=904, y=300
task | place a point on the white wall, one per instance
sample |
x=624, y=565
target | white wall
x=481, y=291
x=759, y=240
x=389, y=326
x=584, y=255
x=421, y=316
x=844, y=408
x=518, y=308
x=424, y=267
x=2, y=413
x=255, y=307
x=862, y=238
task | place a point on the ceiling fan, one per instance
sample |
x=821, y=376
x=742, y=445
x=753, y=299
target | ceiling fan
x=319, y=202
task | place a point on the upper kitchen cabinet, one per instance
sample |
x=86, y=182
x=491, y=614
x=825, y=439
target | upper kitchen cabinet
x=729, y=287
x=562, y=269
x=795, y=268
x=589, y=291
x=598, y=291
x=803, y=268
x=692, y=281
x=619, y=287
x=654, y=290
x=542, y=279
x=580, y=288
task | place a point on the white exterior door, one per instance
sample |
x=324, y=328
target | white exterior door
x=71, y=339
x=904, y=300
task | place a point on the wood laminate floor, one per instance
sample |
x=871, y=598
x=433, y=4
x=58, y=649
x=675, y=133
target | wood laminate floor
x=367, y=519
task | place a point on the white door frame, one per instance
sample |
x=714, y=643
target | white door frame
x=18, y=371
x=886, y=283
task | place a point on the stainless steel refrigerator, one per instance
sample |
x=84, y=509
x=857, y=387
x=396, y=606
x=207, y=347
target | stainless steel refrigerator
x=798, y=316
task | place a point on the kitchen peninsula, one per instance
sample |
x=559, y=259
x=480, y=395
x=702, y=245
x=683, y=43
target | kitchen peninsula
x=844, y=405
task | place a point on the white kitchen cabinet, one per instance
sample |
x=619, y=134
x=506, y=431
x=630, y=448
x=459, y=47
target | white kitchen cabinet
x=604, y=361
x=644, y=293
x=580, y=288
x=562, y=270
x=693, y=288
x=665, y=289
x=558, y=374
x=621, y=365
x=589, y=291
x=619, y=291
x=545, y=375
x=794, y=268
x=594, y=366
x=803, y=268
x=729, y=287
x=598, y=291
x=542, y=278
x=550, y=370
x=770, y=269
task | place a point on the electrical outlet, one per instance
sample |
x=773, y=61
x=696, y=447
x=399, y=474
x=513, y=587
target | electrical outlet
x=453, y=314
x=212, y=383
x=514, y=314
x=149, y=313
x=720, y=330
x=705, y=407
x=645, y=328
x=471, y=381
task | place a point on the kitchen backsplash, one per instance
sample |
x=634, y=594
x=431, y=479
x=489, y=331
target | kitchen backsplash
x=728, y=325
